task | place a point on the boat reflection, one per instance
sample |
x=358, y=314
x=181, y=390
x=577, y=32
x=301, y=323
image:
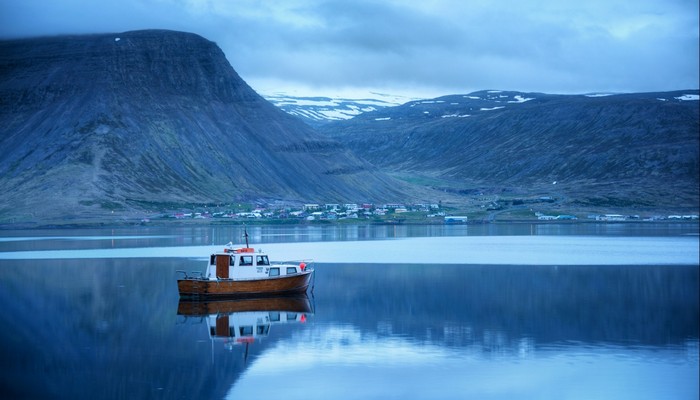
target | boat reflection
x=243, y=321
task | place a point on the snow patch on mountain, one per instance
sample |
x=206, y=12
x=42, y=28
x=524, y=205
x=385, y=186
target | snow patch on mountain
x=491, y=108
x=318, y=110
x=321, y=109
x=520, y=99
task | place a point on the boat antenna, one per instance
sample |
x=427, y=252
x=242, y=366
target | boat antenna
x=245, y=233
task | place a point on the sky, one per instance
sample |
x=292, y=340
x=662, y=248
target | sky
x=419, y=49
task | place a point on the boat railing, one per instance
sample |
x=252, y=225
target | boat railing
x=308, y=263
x=194, y=274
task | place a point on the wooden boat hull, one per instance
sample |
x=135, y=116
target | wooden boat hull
x=289, y=284
x=298, y=303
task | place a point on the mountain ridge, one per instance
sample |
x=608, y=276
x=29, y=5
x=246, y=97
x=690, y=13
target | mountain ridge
x=601, y=150
x=120, y=122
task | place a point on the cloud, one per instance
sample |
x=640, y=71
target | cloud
x=436, y=47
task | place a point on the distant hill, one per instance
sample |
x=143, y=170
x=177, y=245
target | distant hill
x=96, y=124
x=635, y=150
x=319, y=110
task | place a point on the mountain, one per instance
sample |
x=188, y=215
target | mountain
x=112, y=123
x=636, y=150
x=318, y=110
x=120, y=124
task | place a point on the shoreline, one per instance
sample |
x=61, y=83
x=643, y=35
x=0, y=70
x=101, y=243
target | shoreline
x=105, y=224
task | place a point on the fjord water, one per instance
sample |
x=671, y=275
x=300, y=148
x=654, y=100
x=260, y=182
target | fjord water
x=95, y=313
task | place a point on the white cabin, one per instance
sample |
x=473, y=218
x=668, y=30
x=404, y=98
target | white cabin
x=244, y=263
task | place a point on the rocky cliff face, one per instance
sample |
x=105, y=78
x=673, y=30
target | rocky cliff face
x=113, y=122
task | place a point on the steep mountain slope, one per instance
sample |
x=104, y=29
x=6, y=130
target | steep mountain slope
x=596, y=150
x=114, y=122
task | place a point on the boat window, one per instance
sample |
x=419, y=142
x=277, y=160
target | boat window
x=291, y=270
x=263, y=329
x=246, y=260
x=212, y=260
x=291, y=316
x=231, y=260
x=262, y=260
x=274, y=272
x=274, y=316
x=246, y=330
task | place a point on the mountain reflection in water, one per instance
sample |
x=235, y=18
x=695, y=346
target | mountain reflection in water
x=115, y=328
x=439, y=331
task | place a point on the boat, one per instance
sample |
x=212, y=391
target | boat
x=244, y=272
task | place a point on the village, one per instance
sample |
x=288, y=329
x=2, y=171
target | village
x=390, y=213
x=616, y=217
x=329, y=212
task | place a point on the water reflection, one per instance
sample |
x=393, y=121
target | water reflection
x=107, y=327
x=243, y=321
x=496, y=250
x=346, y=363
x=439, y=331
x=204, y=235
x=460, y=305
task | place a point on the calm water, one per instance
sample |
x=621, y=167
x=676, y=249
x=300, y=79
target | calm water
x=96, y=314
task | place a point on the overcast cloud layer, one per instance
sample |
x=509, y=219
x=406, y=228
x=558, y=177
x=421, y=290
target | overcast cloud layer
x=416, y=48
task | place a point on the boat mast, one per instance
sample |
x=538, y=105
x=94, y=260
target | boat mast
x=245, y=233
